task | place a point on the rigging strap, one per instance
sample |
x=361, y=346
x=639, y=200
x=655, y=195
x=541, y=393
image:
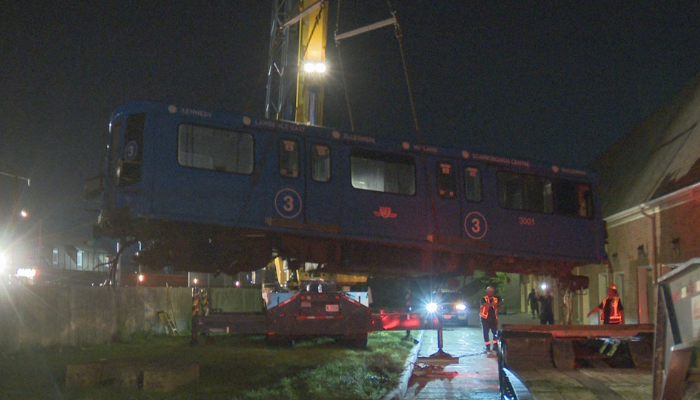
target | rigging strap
x=431, y=195
x=342, y=71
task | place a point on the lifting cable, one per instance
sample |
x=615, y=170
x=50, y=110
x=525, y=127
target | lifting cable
x=275, y=130
x=431, y=195
x=342, y=71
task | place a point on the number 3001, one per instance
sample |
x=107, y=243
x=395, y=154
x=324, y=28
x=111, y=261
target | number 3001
x=526, y=221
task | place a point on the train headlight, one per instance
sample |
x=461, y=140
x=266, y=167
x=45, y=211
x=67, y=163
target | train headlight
x=460, y=306
x=431, y=307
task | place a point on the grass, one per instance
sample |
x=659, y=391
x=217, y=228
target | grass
x=233, y=367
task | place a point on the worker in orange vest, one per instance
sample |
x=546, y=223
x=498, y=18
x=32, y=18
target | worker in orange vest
x=611, y=310
x=488, y=311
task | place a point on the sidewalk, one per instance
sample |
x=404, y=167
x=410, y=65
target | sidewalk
x=474, y=377
x=476, y=374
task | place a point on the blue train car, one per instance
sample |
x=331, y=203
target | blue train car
x=206, y=190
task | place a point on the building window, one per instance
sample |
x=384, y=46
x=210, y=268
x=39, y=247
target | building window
x=472, y=183
x=289, y=158
x=446, y=180
x=54, y=257
x=320, y=163
x=215, y=149
x=383, y=173
x=525, y=192
x=79, y=258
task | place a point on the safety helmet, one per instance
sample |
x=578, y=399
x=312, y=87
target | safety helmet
x=612, y=287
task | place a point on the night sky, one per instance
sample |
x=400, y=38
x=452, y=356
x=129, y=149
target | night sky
x=551, y=81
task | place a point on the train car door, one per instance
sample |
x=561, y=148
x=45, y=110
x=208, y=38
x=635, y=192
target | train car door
x=476, y=213
x=323, y=186
x=446, y=195
x=286, y=188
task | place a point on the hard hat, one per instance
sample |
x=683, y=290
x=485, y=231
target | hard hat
x=612, y=286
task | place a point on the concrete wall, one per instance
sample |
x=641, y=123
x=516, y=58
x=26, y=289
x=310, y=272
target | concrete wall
x=75, y=315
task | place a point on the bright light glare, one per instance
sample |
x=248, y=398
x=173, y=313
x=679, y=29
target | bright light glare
x=3, y=260
x=543, y=286
x=315, y=67
x=28, y=273
x=23, y=214
x=431, y=307
x=141, y=278
x=195, y=280
x=461, y=306
x=238, y=283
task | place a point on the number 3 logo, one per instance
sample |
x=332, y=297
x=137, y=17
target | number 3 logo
x=475, y=225
x=288, y=203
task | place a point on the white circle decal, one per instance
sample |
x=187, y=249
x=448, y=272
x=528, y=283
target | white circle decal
x=172, y=109
x=336, y=135
x=475, y=225
x=246, y=120
x=465, y=154
x=288, y=203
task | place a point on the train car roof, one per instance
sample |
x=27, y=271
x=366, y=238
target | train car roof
x=361, y=139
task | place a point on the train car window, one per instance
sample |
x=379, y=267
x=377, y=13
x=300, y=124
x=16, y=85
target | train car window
x=289, y=158
x=445, y=180
x=129, y=170
x=525, y=192
x=383, y=173
x=320, y=163
x=574, y=199
x=215, y=149
x=472, y=183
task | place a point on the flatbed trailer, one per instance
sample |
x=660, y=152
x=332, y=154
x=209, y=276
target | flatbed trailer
x=582, y=361
x=304, y=315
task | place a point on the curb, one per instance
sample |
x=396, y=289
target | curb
x=399, y=391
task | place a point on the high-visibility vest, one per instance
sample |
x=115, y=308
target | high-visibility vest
x=615, y=316
x=484, y=309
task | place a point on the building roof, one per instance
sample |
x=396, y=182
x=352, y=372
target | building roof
x=659, y=156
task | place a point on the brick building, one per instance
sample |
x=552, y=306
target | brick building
x=650, y=188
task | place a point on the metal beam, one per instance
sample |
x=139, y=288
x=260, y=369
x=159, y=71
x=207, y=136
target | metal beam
x=368, y=28
x=302, y=14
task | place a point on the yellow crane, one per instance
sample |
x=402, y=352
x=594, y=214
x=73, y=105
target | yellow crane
x=311, y=22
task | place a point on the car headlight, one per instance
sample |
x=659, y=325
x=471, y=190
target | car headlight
x=460, y=306
x=431, y=307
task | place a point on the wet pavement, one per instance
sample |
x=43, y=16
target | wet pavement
x=475, y=376
x=475, y=373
